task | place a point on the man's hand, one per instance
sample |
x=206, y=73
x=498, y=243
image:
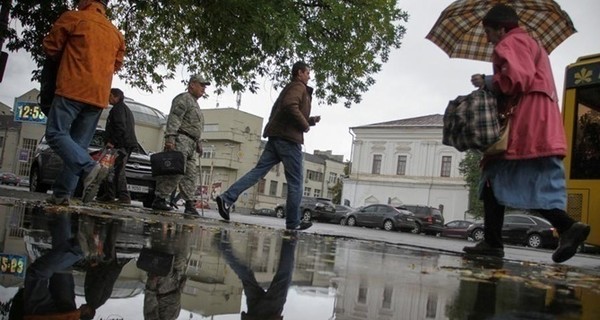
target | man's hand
x=169, y=146
x=316, y=119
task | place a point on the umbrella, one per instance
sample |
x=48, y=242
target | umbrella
x=459, y=32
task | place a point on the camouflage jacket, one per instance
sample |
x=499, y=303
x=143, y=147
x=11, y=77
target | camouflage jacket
x=185, y=117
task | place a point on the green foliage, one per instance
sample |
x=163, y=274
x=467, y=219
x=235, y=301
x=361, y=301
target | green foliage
x=469, y=168
x=238, y=42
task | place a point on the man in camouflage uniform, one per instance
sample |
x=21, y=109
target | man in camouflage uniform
x=184, y=129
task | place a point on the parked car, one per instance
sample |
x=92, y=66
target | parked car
x=47, y=165
x=340, y=213
x=264, y=212
x=312, y=208
x=382, y=216
x=523, y=229
x=459, y=229
x=9, y=178
x=429, y=220
x=24, y=182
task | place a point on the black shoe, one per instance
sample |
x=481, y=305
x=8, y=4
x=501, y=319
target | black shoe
x=160, y=204
x=190, y=208
x=484, y=249
x=60, y=201
x=569, y=241
x=302, y=226
x=223, y=208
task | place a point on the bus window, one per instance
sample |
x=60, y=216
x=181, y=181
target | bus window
x=586, y=134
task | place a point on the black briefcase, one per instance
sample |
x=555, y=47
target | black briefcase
x=167, y=163
x=155, y=262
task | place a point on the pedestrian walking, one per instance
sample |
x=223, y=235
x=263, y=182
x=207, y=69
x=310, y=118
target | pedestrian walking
x=183, y=133
x=90, y=49
x=289, y=120
x=119, y=135
x=530, y=173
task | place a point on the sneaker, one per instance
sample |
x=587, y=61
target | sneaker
x=190, y=208
x=302, y=226
x=223, y=208
x=105, y=199
x=160, y=204
x=125, y=201
x=91, y=183
x=569, y=241
x=484, y=249
x=59, y=201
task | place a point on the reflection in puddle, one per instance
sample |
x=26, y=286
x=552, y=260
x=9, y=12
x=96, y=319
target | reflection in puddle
x=149, y=267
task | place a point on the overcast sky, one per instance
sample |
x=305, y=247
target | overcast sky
x=418, y=79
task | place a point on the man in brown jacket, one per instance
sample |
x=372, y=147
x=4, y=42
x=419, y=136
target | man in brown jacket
x=90, y=50
x=289, y=120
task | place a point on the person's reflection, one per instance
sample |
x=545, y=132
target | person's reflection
x=262, y=304
x=49, y=290
x=162, y=298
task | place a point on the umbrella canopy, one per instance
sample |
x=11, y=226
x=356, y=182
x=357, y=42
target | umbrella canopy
x=459, y=32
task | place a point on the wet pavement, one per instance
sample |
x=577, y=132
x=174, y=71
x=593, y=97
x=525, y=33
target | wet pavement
x=139, y=265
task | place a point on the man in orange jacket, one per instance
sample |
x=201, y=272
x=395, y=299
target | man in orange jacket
x=90, y=50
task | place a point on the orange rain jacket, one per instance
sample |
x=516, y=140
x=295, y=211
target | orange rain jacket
x=92, y=51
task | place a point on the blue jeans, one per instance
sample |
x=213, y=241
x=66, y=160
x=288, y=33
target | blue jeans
x=69, y=130
x=277, y=150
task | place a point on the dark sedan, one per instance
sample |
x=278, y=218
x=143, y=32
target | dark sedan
x=522, y=229
x=9, y=178
x=458, y=229
x=382, y=216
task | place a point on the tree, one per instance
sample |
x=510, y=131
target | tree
x=469, y=168
x=238, y=42
x=337, y=189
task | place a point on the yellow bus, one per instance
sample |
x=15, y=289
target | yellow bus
x=581, y=116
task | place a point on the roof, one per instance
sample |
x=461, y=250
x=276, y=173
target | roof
x=432, y=120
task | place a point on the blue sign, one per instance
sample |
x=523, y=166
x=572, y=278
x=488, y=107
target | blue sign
x=29, y=112
x=13, y=264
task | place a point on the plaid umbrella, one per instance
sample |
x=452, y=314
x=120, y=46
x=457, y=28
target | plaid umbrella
x=459, y=32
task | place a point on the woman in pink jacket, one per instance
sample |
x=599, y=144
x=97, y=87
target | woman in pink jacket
x=530, y=174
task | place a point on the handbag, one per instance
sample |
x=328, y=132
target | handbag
x=167, y=163
x=155, y=262
x=471, y=122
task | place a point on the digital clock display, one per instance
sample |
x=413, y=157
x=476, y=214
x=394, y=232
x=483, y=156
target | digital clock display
x=29, y=112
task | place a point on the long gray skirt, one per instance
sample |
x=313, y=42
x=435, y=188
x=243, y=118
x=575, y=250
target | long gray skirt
x=527, y=184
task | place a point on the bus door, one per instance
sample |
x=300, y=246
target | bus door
x=581, y=116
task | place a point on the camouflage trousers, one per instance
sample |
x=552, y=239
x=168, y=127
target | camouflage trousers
x=165, y=185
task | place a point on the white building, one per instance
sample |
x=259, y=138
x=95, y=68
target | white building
x=404, y=162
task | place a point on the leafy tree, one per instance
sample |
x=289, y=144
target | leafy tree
x=337, y=189
x=238, y=42
x=469, y=168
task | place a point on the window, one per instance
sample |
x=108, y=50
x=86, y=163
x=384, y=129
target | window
x=205, y=178
x=362, y=292
x=401, y=166
x=25, y=155
x=585, y=163
x=208, y=152
x=317, y=193
x=261, y=186
x=388, y=291
x=273, y=188
x=314, y=175
x=306, y=191
x=284, y=190
x=333, y=177
x=446, y=165
x=376, y=164
x=211, y=127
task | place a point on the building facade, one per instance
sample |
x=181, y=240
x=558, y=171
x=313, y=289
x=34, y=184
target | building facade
x=404, y=162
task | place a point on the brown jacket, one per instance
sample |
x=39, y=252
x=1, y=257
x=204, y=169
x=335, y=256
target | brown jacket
x=92, y=50
x=290, y=115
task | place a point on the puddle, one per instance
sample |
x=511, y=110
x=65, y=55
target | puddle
x=139, y=266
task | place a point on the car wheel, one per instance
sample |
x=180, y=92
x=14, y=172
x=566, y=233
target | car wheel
x=416, y=229
x=343, y=221
x=351, y=221
x=306, y=215
x=477, y=234
x=35, y=182
x=279, y=213
x=534, y=240
x=388, y=225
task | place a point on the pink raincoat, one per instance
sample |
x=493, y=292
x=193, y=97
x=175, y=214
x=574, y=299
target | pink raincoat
x=522, y=67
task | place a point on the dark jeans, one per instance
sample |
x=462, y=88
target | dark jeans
x=263, y=303
x=49, y=285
